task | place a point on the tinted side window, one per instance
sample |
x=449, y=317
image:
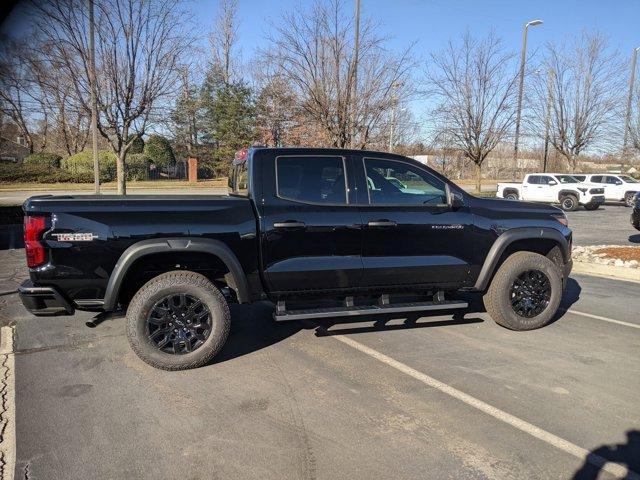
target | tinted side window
x=393, y=182
x=597, y=179
x=545, y=180
x=612, y=180
x=311, y=179
x=534, y=180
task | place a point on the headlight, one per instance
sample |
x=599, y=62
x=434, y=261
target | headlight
x=561, y=217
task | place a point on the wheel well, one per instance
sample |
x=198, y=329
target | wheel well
x=507, y=191
x=564, y=193
x=543, y=246
x=152, y=265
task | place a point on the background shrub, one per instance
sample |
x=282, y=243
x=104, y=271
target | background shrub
x=137, y=147
x=43, y=158
x=82, y=163
x=137, y=166
x=159, y=151
x=16, y=173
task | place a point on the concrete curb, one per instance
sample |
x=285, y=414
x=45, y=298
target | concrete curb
x=608, y=271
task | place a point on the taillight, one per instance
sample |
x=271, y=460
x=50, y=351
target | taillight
x=33, y=228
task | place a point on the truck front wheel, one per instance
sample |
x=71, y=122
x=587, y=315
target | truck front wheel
x=568, y=203
x=525, y=292
x=178, y=320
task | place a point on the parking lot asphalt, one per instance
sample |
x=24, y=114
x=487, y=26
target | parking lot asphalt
x=301, y=400
x=609, y=225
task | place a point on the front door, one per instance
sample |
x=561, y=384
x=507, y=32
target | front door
x=311, y=227
x=412, y=236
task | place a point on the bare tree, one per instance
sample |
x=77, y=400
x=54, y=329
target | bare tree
x=224, y=39
x=138, y=48
x=312, y=51
x=18, y=100
x=584, y=95
x=473, y=84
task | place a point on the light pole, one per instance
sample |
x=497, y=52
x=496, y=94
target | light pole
x=523, y=56
x=627, y=118
x=354, y=85
x=94, y=102
x=547, y=120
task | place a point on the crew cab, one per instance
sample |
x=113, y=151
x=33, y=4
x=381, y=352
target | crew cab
x=558, y=188
x=321, y=233
x=617, y=188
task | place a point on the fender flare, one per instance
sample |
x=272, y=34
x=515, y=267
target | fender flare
x=510, y=236
x=568, y=192
x=158, y=245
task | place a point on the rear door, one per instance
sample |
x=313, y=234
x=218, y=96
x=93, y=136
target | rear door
x=530, y=187
x=411, y=235
x=311, y=226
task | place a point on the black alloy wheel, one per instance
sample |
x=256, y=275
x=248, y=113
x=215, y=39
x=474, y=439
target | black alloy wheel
x=530, y=293
x=178, y=324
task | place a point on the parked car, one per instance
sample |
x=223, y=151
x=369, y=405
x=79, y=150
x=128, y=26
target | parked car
x=635, y=215
x=321, y=233
x=558, y=188
x=617, y=188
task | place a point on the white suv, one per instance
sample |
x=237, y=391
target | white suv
x=617, y=188
x=554, y=188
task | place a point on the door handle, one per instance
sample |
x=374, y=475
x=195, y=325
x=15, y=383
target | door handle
x=382, y=223
x=289, y=224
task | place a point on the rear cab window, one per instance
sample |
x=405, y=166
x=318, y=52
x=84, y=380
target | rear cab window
x=312, y=179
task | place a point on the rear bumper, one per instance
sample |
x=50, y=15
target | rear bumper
x=44, y=301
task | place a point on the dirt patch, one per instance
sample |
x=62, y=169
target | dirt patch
x=622, y=253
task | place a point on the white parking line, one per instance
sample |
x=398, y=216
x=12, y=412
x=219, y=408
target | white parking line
x=8, y=410
x=537, y=432
x=604, y=319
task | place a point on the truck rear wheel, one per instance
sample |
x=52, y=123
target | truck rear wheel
x=178, y=320
x=525, y=292
x=569, y=202
x=629, y=199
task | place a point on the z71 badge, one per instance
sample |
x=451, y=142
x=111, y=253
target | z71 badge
x=75, y=237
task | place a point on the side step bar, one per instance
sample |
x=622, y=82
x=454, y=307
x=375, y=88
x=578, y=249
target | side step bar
x=349, y=310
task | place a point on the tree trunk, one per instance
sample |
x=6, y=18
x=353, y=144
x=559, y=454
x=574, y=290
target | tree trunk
x=479, y=177
x=120, y=173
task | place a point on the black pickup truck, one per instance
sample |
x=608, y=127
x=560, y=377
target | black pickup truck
x=321, y=233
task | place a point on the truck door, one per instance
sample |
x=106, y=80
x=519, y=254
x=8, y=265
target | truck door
x=529, y=187
x=412, y=235
x=310, y=224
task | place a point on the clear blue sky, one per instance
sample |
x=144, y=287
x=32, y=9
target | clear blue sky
x=431, y=23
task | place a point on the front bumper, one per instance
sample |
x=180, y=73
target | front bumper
x=44, y=301
x=596, y=200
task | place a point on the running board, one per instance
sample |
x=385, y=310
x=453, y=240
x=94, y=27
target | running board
x=347, y=311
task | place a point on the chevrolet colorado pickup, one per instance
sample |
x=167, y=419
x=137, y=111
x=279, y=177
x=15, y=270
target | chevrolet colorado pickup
x=563, y=189
x=321, y=233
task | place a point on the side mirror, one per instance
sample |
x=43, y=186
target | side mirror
x=552, y=182
x=456, y=201
x=618, y=182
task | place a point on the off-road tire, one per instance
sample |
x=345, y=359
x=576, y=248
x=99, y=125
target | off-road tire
x=179, y=281
x=511, y=196
x=629, y=199
x=592, y=206
x=497, y=300
x=569, y=202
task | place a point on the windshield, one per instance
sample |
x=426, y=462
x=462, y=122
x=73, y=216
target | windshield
x=628, y=179
x=567, y=179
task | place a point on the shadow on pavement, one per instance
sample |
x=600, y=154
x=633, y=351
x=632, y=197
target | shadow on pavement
x=623, y=453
